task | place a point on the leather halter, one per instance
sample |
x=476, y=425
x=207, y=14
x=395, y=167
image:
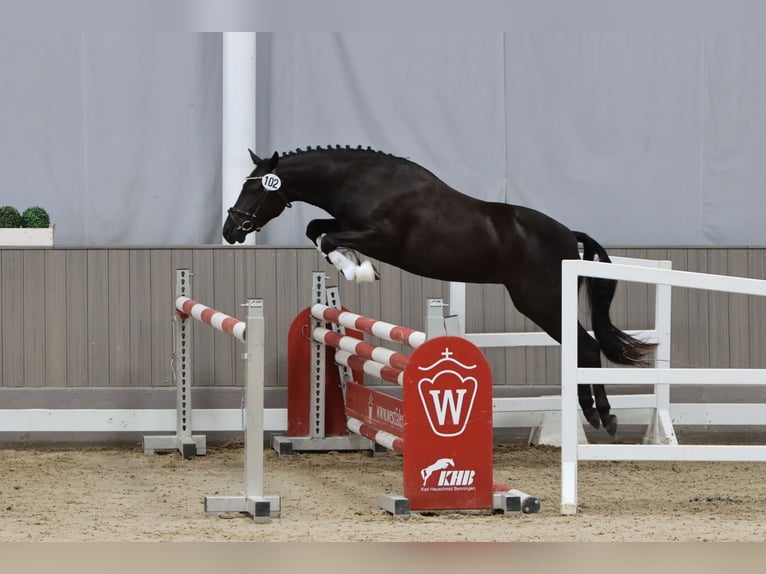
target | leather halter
x=246, y=224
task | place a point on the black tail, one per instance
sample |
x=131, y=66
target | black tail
x=617, y=346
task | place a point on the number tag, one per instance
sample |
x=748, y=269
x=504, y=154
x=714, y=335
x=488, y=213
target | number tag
x=271, y=182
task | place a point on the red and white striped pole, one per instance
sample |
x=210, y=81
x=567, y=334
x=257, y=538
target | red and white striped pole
x=361, y=348
x=387, y=331
x=383, y=438
x=369, y=367
x=220, y=321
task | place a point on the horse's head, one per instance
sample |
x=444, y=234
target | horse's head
x=260, y=200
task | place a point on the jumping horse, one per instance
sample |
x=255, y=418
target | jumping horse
x=393, y=210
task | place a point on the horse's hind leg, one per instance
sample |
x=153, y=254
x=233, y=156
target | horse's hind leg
x=603, y=407
x=545, y=310
x=585, y=353
x=589, y=355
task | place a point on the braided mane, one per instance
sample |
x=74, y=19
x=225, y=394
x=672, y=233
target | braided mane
x=332, y=149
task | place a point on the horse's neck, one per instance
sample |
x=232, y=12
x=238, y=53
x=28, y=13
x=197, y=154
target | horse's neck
x=316, y=185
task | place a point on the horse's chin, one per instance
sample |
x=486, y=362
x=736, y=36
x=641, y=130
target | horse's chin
x=232, y=238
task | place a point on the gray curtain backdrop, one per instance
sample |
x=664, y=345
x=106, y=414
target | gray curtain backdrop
x=117, y=135
x=638, y=137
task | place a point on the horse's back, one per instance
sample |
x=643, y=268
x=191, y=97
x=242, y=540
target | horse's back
x=433, y=230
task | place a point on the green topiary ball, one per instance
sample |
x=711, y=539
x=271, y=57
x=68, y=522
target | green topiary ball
x=35, y=217
x=9, y=216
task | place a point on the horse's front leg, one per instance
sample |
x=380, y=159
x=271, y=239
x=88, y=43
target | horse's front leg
x=341, y=250
x=319, y=227
x=344, y=260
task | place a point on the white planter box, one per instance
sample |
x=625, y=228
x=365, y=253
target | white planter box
x=26, y=237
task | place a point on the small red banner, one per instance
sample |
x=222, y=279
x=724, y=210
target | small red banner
x=380, y=410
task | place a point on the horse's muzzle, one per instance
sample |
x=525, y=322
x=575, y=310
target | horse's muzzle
x=232, y=233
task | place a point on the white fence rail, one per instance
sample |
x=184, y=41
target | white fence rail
x=457, y=294
x=662, y=375
x=130, y=420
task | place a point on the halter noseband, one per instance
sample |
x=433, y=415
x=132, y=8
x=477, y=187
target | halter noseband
x=246, y=224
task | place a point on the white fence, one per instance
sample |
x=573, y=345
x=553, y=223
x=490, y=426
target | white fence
x=662, y=376
x=543, y=413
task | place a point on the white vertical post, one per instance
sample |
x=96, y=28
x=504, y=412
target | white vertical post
x=457, y=303
x=318, y=362
x=254, y=401
x=183, y=371
x=253, y=501
x=663, y=431
x=569, y=418
x=187, y=444
x=238, y=121
x=434, y=318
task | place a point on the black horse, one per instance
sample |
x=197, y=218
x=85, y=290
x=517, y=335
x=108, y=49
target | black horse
x=396, y=211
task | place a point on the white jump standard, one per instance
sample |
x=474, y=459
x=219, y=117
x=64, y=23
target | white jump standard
x=251, y=332
x=187, y=444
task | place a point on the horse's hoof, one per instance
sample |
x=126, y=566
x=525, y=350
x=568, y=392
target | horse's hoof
x=594, y=420
x=365, y=273
x=342, y=264
x=610, y=425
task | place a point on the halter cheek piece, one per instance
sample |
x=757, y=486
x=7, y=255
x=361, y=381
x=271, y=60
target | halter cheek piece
x=247, y=224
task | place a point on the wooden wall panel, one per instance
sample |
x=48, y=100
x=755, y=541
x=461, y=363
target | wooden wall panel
x=266, y=289
x=160, y=307
x=757, y=312
x=203, y=344
x=680, y=349
x=718, y=313
x=698, y=328
x=224, y=352
x=119, y=318
x=77, y=341
x=102, y=317
x=12, y=327
x=737, y=347
x=141, y=335
x=55, y=319
x=98, y=317
x=636, y=298
x=34, y=338
x=390, y=294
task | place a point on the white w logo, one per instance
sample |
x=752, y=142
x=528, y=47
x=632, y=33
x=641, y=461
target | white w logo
x=447, y=401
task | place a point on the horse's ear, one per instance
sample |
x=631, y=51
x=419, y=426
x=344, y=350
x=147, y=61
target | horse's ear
x=273, y=161
x=255, y=158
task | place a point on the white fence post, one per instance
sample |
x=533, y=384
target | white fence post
x=569, y=417
x=660, y=429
